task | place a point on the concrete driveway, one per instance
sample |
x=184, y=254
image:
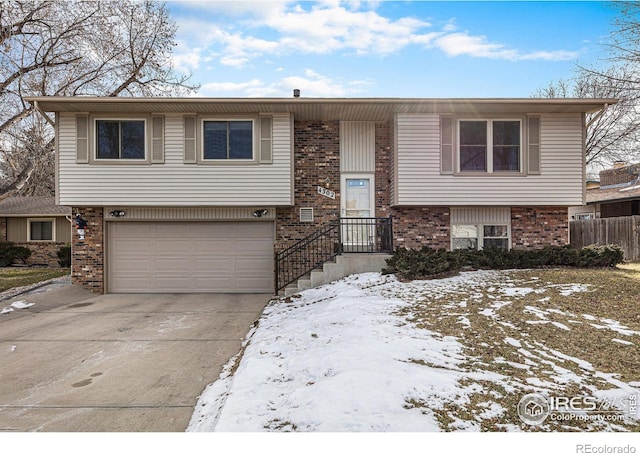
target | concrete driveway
x=75, y=361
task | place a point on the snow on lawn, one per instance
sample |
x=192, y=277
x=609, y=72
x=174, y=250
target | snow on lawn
x=355, y=355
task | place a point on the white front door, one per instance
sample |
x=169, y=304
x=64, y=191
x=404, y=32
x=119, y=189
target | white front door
x=358, y=203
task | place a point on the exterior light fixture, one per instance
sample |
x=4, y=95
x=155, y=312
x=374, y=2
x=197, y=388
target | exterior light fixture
x=117, y=213
x=260, y=212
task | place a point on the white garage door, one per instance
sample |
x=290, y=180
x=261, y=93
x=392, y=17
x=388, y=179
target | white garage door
x=187, y=257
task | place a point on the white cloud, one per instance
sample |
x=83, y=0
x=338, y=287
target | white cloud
x=235, y=34
x=455, y=44
x=310, y=83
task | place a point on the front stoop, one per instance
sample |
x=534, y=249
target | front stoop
x=344, y=265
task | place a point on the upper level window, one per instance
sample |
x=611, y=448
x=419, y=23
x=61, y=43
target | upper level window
x=117, y=139
x=227, y=140
x=489, y=145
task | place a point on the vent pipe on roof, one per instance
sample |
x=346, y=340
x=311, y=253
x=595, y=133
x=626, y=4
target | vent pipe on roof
x=296, y=93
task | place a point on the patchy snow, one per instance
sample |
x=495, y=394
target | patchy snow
x=21, y=304
x=17, y=305
x=341, y=358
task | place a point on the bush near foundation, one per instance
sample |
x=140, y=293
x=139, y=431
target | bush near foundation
x=10, y=253
x=409, y=264
x=64, y=256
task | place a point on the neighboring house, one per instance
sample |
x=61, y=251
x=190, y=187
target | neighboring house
x=618, y=195
x=196, y=194
x=38, y=224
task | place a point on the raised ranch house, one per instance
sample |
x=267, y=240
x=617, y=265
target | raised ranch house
x=38, y=224
x=197, y=194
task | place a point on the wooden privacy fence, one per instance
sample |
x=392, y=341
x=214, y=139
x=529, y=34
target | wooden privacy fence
x=621, y=231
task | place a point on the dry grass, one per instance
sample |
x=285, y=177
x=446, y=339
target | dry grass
x=542, y=337
x=11, y=277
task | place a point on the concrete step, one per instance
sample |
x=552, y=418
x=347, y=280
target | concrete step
x=344, y=265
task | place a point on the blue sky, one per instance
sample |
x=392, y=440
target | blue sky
x=386, y=48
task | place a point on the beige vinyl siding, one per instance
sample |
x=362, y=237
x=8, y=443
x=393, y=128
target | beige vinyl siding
x=174, y=183
x=487, y=216
x=357, y=147
x=63, y=230
x=17, y=229
x=419, y=181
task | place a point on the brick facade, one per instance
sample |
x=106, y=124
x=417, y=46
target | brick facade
x=87, y=256
x=536, y=227
x=316, y=151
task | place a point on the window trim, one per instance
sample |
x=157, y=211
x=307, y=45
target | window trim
x=489, y=158
x=480, y=231
x=31, y=220
x=93, y=154
x=255, y=142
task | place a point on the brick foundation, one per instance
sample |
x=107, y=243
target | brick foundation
x=415, y=228
x=43, y=254
x=536, y=227
x=87, y=256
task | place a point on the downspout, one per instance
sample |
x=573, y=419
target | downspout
x=600, y=113
x=41, y=112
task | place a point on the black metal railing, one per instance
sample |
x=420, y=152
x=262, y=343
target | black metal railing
x=347, y=235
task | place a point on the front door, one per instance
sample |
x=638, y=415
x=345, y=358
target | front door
x=358, y=210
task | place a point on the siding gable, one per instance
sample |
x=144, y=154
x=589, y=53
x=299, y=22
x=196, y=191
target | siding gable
x=558, y=155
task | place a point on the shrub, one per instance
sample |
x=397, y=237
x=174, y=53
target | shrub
x=64, y=256
x=9, y=253
x=427, y=263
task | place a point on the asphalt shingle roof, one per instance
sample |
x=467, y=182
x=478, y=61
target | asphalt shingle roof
x=25, y=206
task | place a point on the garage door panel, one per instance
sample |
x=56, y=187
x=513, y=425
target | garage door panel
x=190, y=257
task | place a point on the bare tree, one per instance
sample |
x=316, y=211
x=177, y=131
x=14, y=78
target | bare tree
x=613, y=135
x=74, y=48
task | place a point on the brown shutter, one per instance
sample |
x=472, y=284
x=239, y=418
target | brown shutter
x=82, y=139
x=446, y=144
x=534, y=145
x=266, y=140
x=189, y=139
x=157, y=140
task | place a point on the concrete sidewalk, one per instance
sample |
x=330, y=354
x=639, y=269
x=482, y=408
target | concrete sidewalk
x=75, y=361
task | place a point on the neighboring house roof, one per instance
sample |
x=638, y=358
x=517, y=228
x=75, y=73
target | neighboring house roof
x=613, y=194
x=362, y=109
x=32, y=206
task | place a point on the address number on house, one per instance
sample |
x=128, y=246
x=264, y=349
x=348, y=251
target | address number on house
x=326, y=193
